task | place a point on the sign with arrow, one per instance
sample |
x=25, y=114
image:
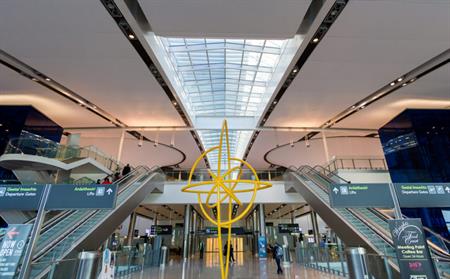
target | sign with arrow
x=361, y=195
x=423, y=194
x=11, y=249
x=91, y=196
x=20, y=197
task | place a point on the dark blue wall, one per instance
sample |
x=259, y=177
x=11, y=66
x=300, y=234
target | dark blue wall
x=416, y=145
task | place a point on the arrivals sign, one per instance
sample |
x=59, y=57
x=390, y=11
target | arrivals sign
x=411, y=248
x=288, y=228
x=423, y=194
x=27, y=197
x=91, y=196
x=361, y=195
x=11, y=249
x=20, y=197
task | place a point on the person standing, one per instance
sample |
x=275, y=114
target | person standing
x=201, y=249
x=126, y=170
x=278, y=255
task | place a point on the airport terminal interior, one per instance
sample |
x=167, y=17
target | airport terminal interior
x=225, y=139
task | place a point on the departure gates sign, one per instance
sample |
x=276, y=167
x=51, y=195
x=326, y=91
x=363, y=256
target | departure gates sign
x=27, y=197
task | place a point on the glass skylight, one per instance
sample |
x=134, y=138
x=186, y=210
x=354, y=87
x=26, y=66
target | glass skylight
x=224, y=77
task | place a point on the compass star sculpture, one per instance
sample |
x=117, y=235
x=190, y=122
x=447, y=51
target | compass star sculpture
x=224, y=188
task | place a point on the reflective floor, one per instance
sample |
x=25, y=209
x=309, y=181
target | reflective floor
x=245, y=267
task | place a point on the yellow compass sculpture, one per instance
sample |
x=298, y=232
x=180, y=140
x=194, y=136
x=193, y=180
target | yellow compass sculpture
x=224, y=188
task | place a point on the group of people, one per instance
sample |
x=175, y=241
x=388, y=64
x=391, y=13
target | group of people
x=117, y=175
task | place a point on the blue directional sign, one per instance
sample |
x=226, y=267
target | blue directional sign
x=423, y=194
x=20, y=197
x=92, y=196
x=361, y=195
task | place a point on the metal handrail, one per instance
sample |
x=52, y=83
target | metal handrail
x=55, y=241
x=339, y=163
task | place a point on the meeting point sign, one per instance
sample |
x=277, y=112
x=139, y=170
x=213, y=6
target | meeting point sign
x=412, y=250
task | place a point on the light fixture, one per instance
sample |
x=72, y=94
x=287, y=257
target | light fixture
x=295, y=70
x=353, y=106
x=399, y=79
x=275, y=102
x=47, y=79
x=307, y=142
x=174, y=103
x=131, y=36
x=392, y=84
x=315, y=40
x=404, y=84
x=412, y=80
x=141, y=141
x=363, y=107
x=34, y=79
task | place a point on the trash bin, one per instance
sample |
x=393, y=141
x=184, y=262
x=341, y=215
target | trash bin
x=87, y=265
x=357, y=263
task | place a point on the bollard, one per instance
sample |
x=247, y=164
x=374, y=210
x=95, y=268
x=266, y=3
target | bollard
x=87, y=265
x=164, y=255
x=357, y=263
x=286, y=255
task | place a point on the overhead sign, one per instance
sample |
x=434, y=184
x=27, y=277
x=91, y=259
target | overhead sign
x=20, y=197
x=288, y=228
x=11, y=249
x=361, y=195
x=412, y=250
x=93, y=196
x=423, y=194
x=161, y=230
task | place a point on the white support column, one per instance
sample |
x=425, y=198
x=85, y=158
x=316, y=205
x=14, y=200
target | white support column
x=325, y=147
x=119, y=152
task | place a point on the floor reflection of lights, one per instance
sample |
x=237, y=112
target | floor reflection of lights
x=212, y=259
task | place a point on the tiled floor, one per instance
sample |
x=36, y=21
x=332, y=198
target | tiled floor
x=246, y=267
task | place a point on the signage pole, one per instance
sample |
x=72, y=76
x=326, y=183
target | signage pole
x=26, y=264
x=397, y=210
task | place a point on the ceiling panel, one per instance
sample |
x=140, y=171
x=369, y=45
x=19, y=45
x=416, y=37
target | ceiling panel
x=371, y=43
x=264, y=19
x=78, y=44
x=18, y=90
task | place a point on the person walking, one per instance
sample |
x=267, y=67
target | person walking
x=126, y=170
x=231, y=257
x=278, y=255
x=201, y=249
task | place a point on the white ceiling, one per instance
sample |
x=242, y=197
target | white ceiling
x=370, y=44
x=79, y=45
x=265, y=19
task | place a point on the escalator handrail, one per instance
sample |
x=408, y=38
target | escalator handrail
x=330, y=173
x=56, y=240
x=443, y=254
x=149, y=173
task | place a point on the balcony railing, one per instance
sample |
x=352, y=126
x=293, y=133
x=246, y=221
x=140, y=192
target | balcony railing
x=357, y=164
x=204, y=175
x=31, y=144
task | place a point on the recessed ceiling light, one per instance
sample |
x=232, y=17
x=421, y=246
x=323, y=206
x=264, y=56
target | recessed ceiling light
x=392, y=84
x=47, y=79
x=315, y=40
x=295, y=70
x=131, y=36
x=412, y=80
x=399, y=79
x=363, y=107
x=275, y=102
x=353, y=106
x=174, y=103
x=34, y=79
x=404, y=84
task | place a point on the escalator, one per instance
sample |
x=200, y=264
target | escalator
x=81, y=230
x=366, y=227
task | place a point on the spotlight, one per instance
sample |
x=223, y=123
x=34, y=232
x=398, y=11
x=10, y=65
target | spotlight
x=47, y=79
x=34, y=79
x=399, y=79
x=404, y=84
x=174, y=103
x=315, y=40
x=131, y=36
x=392, y=84
x=412, y=80
x=295, y=70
